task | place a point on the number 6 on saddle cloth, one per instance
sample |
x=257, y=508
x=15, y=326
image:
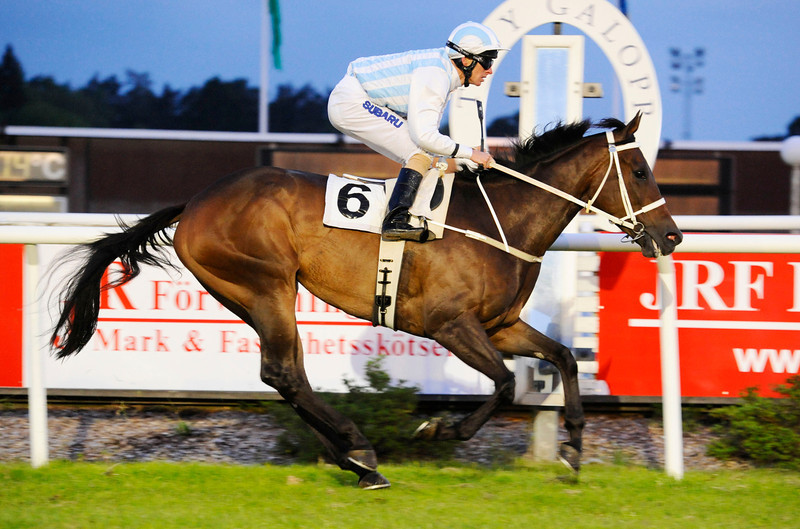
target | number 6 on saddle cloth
x=358, y=203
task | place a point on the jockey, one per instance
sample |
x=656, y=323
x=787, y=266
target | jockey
x=394, y=104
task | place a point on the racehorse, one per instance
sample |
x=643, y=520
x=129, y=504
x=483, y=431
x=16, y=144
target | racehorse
x=251, y=237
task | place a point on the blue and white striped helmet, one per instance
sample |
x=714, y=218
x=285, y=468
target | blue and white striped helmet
x=473, y=38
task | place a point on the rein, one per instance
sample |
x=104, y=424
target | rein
x=613, y=150
x=628, y=221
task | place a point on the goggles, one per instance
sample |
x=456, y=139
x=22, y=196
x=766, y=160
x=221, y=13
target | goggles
x=485, y=59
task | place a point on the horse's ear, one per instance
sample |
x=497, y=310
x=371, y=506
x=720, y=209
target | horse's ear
x=633, y=125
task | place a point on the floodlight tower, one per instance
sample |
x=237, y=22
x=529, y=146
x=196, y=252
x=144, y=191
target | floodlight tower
x=687, y=81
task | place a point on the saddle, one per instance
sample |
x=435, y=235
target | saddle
x=358, y=203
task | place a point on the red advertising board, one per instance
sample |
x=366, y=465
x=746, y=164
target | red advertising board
x=11, y=260
x=738, y=323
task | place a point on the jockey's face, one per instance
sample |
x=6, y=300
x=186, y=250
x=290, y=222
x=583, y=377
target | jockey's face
x=478, y=74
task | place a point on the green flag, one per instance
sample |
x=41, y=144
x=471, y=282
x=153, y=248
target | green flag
x=275, y=13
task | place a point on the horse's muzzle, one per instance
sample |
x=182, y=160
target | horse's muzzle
x=665, y=243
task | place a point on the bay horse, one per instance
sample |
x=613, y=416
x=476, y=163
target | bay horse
x=251, y=237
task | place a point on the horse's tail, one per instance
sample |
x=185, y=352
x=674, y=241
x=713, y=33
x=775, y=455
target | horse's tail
x=80, y=296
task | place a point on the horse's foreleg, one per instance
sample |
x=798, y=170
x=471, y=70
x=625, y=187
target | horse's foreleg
x=523, y=340
x=466, y=338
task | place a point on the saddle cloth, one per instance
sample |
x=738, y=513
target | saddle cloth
x=358, y=203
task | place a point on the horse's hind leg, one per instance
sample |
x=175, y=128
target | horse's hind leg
x=282, y=368
x=523, y=340
x=467, y=339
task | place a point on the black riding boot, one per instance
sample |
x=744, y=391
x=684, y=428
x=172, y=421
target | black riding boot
x=396, y=225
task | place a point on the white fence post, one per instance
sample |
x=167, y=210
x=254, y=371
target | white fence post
x=670, y=368
x=37, y=394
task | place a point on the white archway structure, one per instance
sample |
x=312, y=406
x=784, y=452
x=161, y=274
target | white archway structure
x=608, y=28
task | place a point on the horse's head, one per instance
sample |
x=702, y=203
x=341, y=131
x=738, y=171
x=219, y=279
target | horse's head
x=630, y=193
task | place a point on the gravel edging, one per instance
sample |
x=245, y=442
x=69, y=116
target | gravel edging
x=242, y=437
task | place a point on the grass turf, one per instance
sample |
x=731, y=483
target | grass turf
x=167, y=495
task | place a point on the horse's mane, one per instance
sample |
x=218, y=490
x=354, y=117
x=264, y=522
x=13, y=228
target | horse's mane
x=543, y=147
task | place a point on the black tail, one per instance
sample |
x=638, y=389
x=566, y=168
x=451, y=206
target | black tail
x=81, y=296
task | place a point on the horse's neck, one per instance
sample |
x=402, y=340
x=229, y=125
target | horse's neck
x=548, y=215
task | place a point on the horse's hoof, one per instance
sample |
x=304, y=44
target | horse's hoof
x=364, y=459
x=427, y=430
x=373, y=481
x=570, y=456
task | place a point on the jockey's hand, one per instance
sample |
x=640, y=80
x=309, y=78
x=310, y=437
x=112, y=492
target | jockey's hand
x=482, y=158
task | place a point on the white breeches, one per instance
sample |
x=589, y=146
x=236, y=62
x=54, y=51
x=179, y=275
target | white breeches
x=352, y=113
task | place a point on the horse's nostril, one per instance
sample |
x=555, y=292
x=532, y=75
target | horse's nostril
x=675, y=237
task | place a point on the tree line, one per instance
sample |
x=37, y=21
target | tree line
x=218, y=105
x=111, y=102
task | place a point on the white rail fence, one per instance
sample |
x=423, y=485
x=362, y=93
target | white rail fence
x=31, y=229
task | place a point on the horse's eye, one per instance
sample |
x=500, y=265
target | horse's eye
x=640, y=174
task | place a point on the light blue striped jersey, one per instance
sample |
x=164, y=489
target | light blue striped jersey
x=387, y=78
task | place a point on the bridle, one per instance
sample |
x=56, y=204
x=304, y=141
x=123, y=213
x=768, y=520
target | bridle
x=628, y=221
